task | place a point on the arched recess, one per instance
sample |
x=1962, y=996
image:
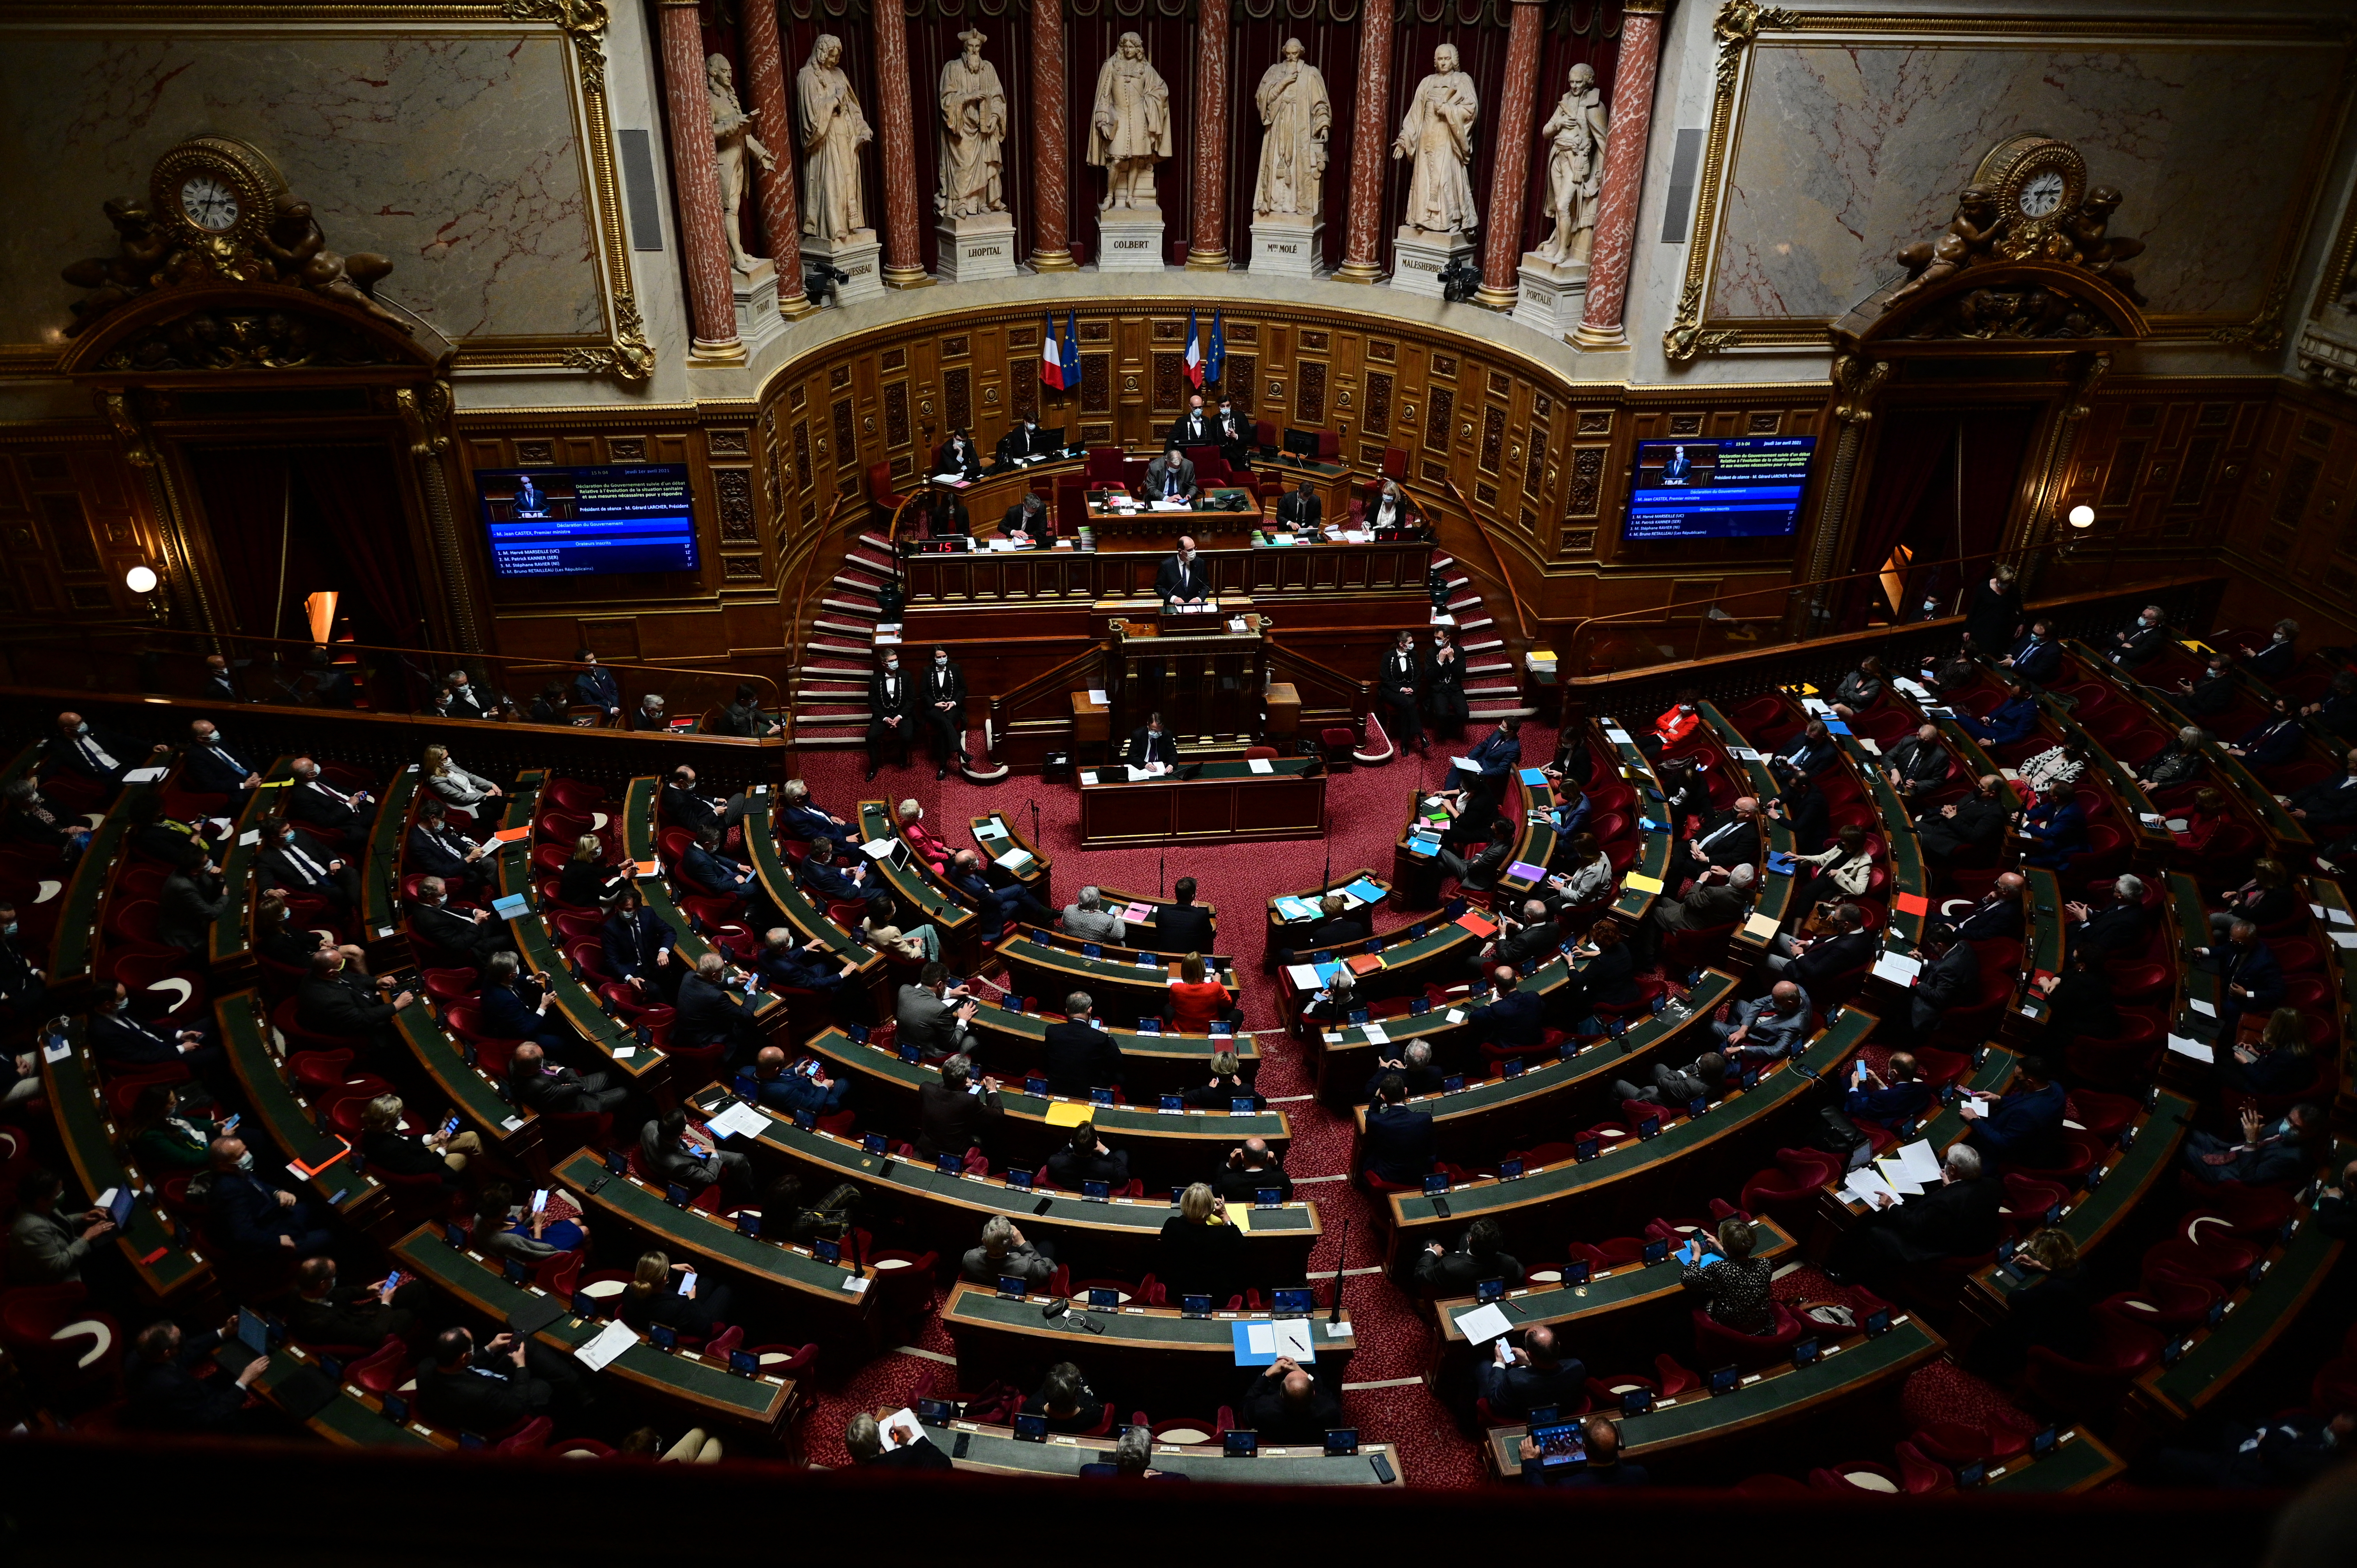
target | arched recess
x=1999, y=360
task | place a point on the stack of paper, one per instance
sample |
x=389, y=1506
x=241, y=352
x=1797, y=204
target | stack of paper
x=1288, y=908
x=1263, y=765
x=1484, y=1324
x=1865, y=1183
x=2193, y=1048
x=1897, y=968
x=1015, y=860
x=1136, y=912
x=1258, y=1344
x=1374, y=1035
x=878, y=848
x=610, y=1341
x=1617, y=736
x=739, y=1121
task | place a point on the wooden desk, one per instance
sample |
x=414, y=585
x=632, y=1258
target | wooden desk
x=803, y=914
x=229, y=941
x=688, y=1386
x=959, y=927
x=1164, y=1147
x=995, y=834
x=1774, y=894
x=88, y=885
x=287, y=1121
x=1069, y=580
x=1700, y=1432
x=354, y=1418
x=1156, y=1064
x=1120, y=1234
x=1123, y=988
x=381, y=875
x=1284, y=934
x=511, y=1132
x=1143, y=1352
x=162, y=1257
x=2079, y=1463
x=996, y=1450
x=1226, y=802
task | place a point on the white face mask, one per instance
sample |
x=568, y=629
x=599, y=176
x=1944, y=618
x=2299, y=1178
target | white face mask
x=940, y=662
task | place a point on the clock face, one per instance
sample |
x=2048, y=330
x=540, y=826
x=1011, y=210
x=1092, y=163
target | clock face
x=210, y=205
x=2041, y=195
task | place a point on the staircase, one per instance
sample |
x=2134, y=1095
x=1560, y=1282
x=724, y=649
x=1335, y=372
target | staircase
x=1493, y=689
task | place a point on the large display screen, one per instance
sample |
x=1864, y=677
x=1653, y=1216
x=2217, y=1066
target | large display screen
x=558, y=522
x=1746, y=486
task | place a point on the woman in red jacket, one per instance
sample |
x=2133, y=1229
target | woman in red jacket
x=1196, y=1001
x=920, y=838
x=2202, y=823
x=1680, y=721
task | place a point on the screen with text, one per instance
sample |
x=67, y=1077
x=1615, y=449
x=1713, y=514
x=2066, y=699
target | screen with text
x=557, y=522
x=1739, y=488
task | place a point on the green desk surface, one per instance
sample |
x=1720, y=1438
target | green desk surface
x=638, y=843
x=1289, y=1229
x=1655, y=855
x=2043, y=937
x=2079, y=1463
x=1534, y=835
x=1115, y=959
x=388, y=838
x=1444, y=952
x=1144, y=983
x=1217, y=768
x=1776, y=893
x=231, y=936
x=1412, y=1214
x=997, y=1450
x=287, y=1121
x=165, y=1264
x=980, y=1309
x=1899, y=842
x=353, y=1419
x=802, y=912
x=711, y=1237
x=1619, y=1290
x=470, y=1092
x=914, y=882
x=1850, y=1367
x=2191, y=917
x=86, y=886
x=1144, y=1122
x=704, y=1387
x=994, y=833
x=1181, y=1062
x=2128, y=1174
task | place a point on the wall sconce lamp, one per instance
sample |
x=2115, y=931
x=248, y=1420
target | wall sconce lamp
x=2083, y=516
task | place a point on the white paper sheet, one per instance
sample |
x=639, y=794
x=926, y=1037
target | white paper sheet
x=877, y=848
x=1374, y=1035
x=1919, y=1160
x=1897, y=968
x=739, y=1121
x=2204, y=1008
x=1263, y=765
x=610, y=1341
x=886, y=1428
x=1891, y=1171
x=1484, y=1324
x=143, y=775
x=1293, y=1340
x=1304, y=976
x=2194, y=1048
x=1467, y=763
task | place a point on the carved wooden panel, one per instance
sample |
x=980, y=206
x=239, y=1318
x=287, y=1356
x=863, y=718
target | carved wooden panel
x=804, y=473
x=531, y=454
x=734, y=490
x=1596, y=422
x=1493, y=437
x=2193, y=476
x=795, y=395
x=1096, y=435
x=1172, y=331
x=1378, y=412
x=1096, y=331
x=1170, y=387
x=1381, y=351
x=954, y=348
x=1022, y=338
x=1501, y=384
x=2128, y=461
x=957, y=398
x=1096, y=383
x=1485, y=493
x=1587, y=481
x=1240, y=331
x=1541, y=405
x=1765, y=422
x=1685, y=424
x=838, y=377
x=626, y=449
x=893, y=360
x=1371, y=455
x=1309, y=393
x=896, y=414
x=1579, y=541
x=847, y=436
x=1535, y=462
x=1237, y=379
x=1026, y=400
x=725, y=442
x=1437, y=413
x=1445, y=365
x=1433, y=473
x=741, y=568
x=1314, y=341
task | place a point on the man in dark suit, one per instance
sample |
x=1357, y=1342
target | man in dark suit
x=2213, y=693
x=684, y=807
x=1289, y=1404
x=509, y=1380
x=1151, y=745
x=24, y=984
x=251, y=1220
x=322, y=1313
x=337, y=999
x=1959, y=1219
x=1183, y=926
x=1531, y=936
x=2119, y=929
x=516, y=1005
x=1513, y=1019
x=2025, y=1128
x=1171, y=478
x=474, y=938
x=829, y=877
x=864, y=1443
x=1729, y=839
x=1810, y=752
x=466, y=701
x=1025, y=439
x=999, y=903
x=312, y=800
x=2143, y=639
x=1300, y=510
x=1890, y=1099
x=1412, y=1064
x=2037, y=659
x=1400, y=1143
x=209, y=767
x=220, y=684
x=287, y=862
x=1494, y=756
x=2283, y=1150
x=2273, y=741
x=1813, y=963
x=437, y=849
x=1918, y=764
x=1335, y=925
x=2015, y=719
x=163, y=1392
x=539, y=1084
x=1949, y=978
x=958, y=456
x=1077, y=1056
x=2254, y=980
x=1028, y=518
x=941, y=698
x=2056, y=827
x=1970, y=824
x=652, y=715
x=1514, y=1381
x=1676, y=1087
x=123, y=1044
x=98, y=755
x=1232, y=431
x=1251, y=1168
x=1711, y=905
x=704, y=865
x=1441, y=1274
x=891, y=707
x=952, y=1119
x=1801, y=808
x=593, y=686
x=1181, y=578
x=710, y=1014
x=1679, y=468
x=2278, y=657
x=186, y=905
x=2329, y=804
x=794, y=1093
x=1998, y=916
x=1195, y=427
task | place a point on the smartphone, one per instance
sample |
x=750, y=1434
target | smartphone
x=539, y=1199
x=1383, y=1469
x=395, y=1280
x=1440, y=1207
x=965, y=1441
x=687, y=1285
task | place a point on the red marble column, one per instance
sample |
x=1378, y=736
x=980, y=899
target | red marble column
x=1362, y=253
x=904, y=265
x=1624, y=175
x=1510, y=180
x=1208, y=248
x=782, y=224
x=696, y=177
x=1051, y=143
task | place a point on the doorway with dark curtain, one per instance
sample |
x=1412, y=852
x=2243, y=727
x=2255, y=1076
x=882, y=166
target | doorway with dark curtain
x=290, y=522
x=1942, y=488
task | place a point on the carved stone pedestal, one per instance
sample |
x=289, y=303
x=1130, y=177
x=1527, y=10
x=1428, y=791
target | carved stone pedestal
x=1289, y=247
x=1418, y=256
x=757, y=318
x=981, y=246
x=1553, y=294
x=861, y=255
x=1129, y=240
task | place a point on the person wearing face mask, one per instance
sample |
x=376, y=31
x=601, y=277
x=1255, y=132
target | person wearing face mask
x=209, y=767
x=1399, y=687
x=24, y=985
x=593, y=686
x=941, y=705
x=1192, y=428
x=252, y=1220
x=1444, y=685
x=1152, y=747
x=30, y=819
x=466, y=702
x=2144, y=639
x=1026, y=441
x=313, y=802
x=1171, y=478
x=1301, y=511
x=474, y=938
x=220, y=682
x=1680, y=721
x=339, y=999
x=2037, y=659
x=1181, y=579
x=2279, y=657
x=1232, y=431
x=97, y=754
x=124, y=1044
x=158, y=837
x=891, y=709
x=651, y=714
x=2011, y=721
x=2214, y=693
x=289, y=863
x=186, y=905
x=1390, y=507
x=958, y=456
x=1027, y=522
x=437, y=849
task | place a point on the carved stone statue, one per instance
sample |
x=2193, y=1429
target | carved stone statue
x=732, y=138
x=1573, y=135
x=1437, y=137
x=1966, y=239
x=1129, y=125
x=140, y=248
x=832, y=132
x=1299, y=117
x=295, y=247
x=973, y=124
x=2098, y=252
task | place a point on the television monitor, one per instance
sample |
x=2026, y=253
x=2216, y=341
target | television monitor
x=562, y=522
x=1744, y=487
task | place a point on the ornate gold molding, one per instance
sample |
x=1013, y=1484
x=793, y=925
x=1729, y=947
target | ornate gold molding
x=1738, y=24
x=1856, y=380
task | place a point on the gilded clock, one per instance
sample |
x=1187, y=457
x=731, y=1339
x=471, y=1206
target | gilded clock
x=2038, y=182
x=216, y=190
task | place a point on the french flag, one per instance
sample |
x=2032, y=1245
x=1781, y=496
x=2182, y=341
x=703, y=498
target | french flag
x=1194, y=351
x=1059, y=363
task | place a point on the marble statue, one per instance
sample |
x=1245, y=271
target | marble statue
x=1299, y=117
x=1129, y=126
x=973, y=124
x=1438, y=135
x=732, y=138
x=1573, y=135
x=832, y=132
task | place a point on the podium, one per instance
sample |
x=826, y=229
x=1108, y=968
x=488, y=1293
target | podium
x=1203, y=673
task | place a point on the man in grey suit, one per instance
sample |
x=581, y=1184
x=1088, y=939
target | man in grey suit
x=1089, y=920
x=1171, y=478
x=1677, y=1086
x=43, y=1247
x=1707, y=906
x=1770, y=1027
x=933, y=1016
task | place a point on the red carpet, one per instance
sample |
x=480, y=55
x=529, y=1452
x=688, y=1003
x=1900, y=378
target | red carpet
x=1366, y=809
